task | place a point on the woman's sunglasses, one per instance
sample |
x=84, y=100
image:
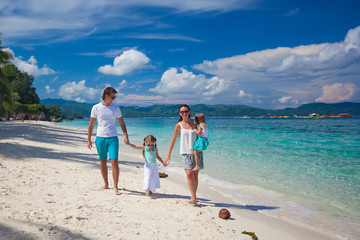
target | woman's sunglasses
x=149, y=145
x=184, y=111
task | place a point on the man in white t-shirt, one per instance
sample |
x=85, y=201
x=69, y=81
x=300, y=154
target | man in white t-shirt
x=107, y=143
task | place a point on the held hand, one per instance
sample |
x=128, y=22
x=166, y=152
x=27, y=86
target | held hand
x=126, y=141
x=166, y=161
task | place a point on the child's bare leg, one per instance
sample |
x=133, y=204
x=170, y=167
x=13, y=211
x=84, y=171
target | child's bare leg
x=147, y=192
x=196, y=156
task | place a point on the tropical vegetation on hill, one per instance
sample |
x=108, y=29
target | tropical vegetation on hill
x=18, y=99
x=212, y=110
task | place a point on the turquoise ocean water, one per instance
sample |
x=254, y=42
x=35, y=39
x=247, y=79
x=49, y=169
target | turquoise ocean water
x=305, y=171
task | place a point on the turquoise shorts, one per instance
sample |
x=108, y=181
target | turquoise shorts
x=105, y=145
x=189, y=160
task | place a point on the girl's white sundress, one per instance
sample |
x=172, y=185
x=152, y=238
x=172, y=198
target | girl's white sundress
x=151, y=172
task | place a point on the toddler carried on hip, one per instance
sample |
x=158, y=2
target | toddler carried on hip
x=202, y=142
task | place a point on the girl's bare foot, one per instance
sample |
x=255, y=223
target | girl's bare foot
x=197, y=168
x=147, y=192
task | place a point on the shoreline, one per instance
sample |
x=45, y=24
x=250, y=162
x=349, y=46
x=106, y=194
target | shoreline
x=66, y=199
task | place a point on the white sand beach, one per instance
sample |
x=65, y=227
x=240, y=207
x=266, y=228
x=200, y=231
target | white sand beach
x=50, y=189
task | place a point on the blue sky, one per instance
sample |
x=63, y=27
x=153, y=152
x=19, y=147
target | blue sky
x=267, y=54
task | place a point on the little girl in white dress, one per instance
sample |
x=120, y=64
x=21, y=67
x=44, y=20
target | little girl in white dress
x=151, y=172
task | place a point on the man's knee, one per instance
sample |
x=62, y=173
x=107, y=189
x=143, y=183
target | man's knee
x=114, y=161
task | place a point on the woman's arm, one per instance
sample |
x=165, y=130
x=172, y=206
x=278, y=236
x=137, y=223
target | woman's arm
x=124, y=130
x=172, y=144
x=90, y=130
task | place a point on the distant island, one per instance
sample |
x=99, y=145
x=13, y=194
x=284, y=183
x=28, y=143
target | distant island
x=73, y=108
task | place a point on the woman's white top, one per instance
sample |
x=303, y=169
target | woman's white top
x=106, y=117
x=187, y=140
x=204, y=132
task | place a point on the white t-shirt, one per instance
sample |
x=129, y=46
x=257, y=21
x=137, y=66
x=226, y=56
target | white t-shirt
x=106, y=117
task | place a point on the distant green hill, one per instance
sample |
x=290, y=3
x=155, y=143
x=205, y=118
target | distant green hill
x=69, y=106
x=218, y=110
x=323, y=109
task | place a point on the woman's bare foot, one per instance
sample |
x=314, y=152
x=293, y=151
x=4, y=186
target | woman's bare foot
x=104, y=187
x=116, y=190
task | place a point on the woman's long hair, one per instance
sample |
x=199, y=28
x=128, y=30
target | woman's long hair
x=184, y=105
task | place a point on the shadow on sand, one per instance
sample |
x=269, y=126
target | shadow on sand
x=40, y=231
x=204, y=201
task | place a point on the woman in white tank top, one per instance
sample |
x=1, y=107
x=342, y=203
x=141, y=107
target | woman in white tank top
x=185, y=128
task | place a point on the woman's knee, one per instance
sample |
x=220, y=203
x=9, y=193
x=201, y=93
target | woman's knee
x=189, y=173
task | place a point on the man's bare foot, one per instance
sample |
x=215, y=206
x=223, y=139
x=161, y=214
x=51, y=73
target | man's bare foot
x=116, y=190
x=197, y=168
x=147, y=192
x=193, y=202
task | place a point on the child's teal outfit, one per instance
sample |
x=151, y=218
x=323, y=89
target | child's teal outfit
x=151, y=172
x=202, y=142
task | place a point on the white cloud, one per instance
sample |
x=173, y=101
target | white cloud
x=138, y=100
x=164, y=36
x=337, y=92
x=68, y=19
x=127, y=62
x=243, y=94
x=187, y=82
x=285, y=99
x=288, y=100
x=335, y=55
x=123, y=83
x=48, y=89
x=79, y=92
x=30, y=66
x=299, y=72
x=144, y=97
x=111, y=53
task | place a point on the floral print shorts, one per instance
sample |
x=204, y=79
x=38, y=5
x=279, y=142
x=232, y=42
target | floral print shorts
x=189, y=160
